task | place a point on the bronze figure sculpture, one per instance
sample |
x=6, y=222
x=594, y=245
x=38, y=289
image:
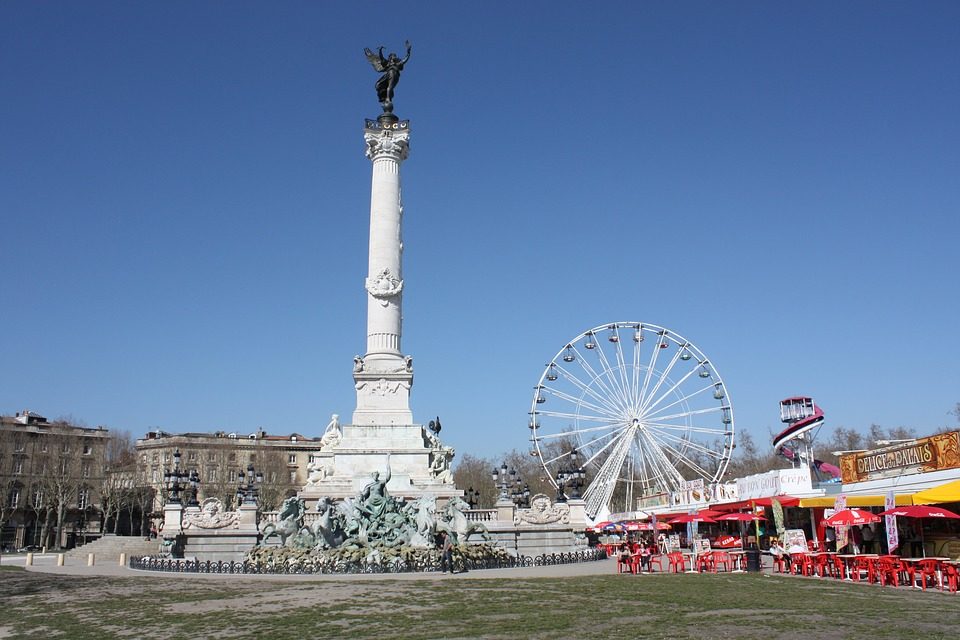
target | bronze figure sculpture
x=390, y=67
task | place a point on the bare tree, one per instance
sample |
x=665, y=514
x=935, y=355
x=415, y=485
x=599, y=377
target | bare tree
x=276, y=486
x=118, y=479
x=10, y=489
x=474, y=473
x=61, y=479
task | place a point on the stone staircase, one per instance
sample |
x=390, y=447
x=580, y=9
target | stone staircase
x=109, y=547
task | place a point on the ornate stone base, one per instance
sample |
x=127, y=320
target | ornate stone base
x=418, y=462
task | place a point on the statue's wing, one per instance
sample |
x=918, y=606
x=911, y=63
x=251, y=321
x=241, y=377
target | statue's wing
x=374, y=60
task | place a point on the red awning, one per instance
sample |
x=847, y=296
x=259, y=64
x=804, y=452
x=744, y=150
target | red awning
x=786, y=501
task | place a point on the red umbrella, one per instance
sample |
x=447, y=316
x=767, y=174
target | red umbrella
x=920, y=511
x=710, y=513
x=849, y=517
x=739, y=517
x=690, y=517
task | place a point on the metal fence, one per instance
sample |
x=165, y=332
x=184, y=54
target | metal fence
x=323, y=566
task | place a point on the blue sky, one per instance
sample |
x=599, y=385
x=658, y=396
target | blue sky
x=184, y=204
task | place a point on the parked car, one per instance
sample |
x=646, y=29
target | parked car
x=28, y=548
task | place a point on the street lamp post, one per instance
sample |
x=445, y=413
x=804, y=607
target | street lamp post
x=502, y=478
x=570, y=480
x=473, y=497
x=175, y=480
x=247, y=493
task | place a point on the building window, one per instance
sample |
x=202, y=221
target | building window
x=17, y=466
x=210, y=456
x=292, y=458
x=232, y=457
x=43, y=446
x=192, y=455
x=156, y=457
x=85, y=470
x=87, y=450
x=19, y=447
x=211, y=475
x=293, y=477
x=14, y=497
x=38, y=497
x=253, y=458
x=155, y=476
x=66, y=447
x=83, y=498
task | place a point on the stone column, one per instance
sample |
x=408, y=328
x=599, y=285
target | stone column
x=383, y=376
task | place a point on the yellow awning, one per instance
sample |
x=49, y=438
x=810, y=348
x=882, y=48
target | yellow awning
x=858, y=501
x=946, y=492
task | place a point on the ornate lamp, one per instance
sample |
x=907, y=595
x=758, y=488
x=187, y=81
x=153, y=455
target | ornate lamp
x=174, y=479
x=247, y=490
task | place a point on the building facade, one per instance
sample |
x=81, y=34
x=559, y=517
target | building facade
x=51, y=476
x=220, y=458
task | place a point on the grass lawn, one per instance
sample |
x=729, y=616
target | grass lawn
x=38, y=605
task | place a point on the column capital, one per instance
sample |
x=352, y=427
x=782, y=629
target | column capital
x=387, y=143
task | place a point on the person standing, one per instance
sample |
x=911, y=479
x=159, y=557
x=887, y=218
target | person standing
x=868, y=535
x=446, y=552
x=856, y=538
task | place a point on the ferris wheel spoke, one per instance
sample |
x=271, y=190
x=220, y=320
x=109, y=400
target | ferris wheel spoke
x=651, y=367
x=664, y=375
x=604, y=484
x=636, y=368
x=689, y=444
x=573, y=432
x=687, y=428
x=659, y=460
x=615, y=382
x=690, y=463
x=652, y=399
x=693, y=412
x=680, y=400
x=602, y=379
x=612, y=440
x=625, y=384
x=588, y=389
x=581, y=417
x=562, y=395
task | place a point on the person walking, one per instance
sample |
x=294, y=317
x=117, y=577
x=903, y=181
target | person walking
x=446, y=552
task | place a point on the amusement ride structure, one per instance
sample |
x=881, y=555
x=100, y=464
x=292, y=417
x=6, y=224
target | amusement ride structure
x=795, y=443
x=639, y=407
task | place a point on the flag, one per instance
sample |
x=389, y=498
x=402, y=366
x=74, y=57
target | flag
x=839, y=505
x=893, y=536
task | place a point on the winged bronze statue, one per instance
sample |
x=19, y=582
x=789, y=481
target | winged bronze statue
x=390, y=67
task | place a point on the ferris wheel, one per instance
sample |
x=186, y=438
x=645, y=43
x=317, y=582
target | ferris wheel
x=641, y=409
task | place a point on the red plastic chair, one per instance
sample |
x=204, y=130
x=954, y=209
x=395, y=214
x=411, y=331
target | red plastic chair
x=721, y=558
x=655, y=560
x=678, y=563
x=864, y=567
x=705, y=562
x=821, y=565
x=839, y=568
x=888, y=571
x=923, y=570
x=951, y=576
x=800, y=564
x=779, y=564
